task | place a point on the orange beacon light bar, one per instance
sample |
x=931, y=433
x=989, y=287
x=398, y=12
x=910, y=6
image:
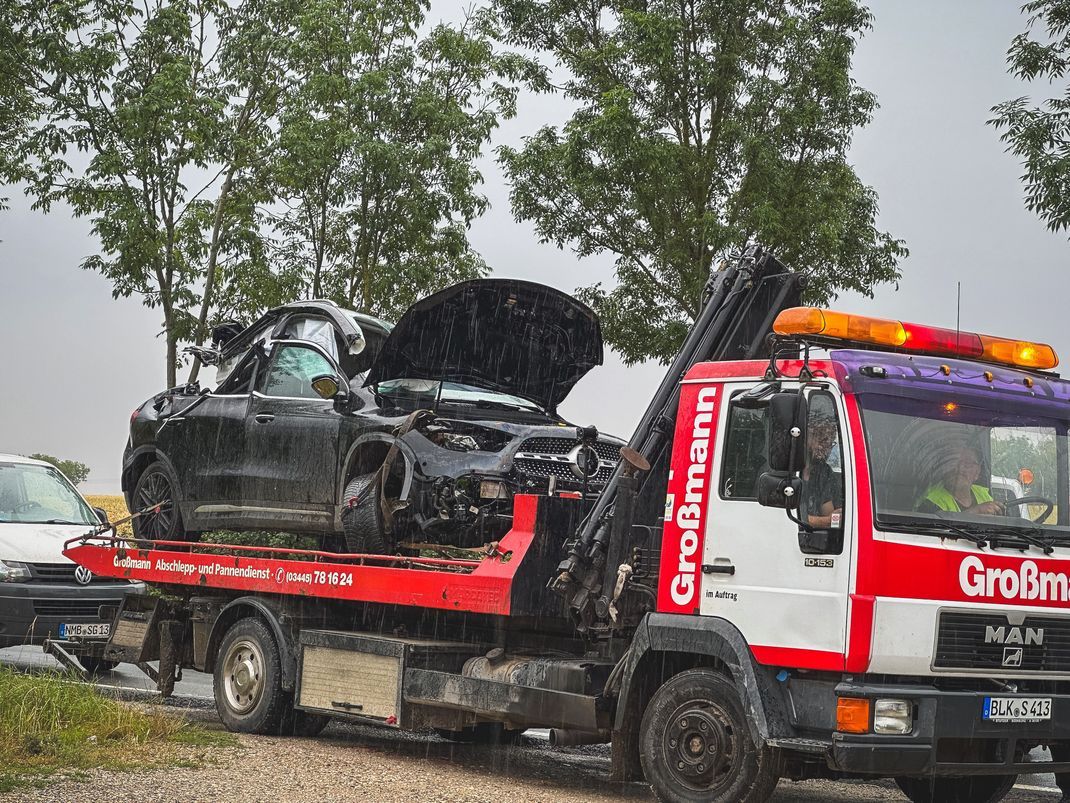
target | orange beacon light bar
x=831, y=325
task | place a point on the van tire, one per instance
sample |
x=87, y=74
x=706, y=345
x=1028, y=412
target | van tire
x=695, y=744
x=970, y=789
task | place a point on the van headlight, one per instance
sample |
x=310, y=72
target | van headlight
x=13, y=572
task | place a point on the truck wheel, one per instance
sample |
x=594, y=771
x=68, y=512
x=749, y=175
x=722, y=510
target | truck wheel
x=153, y=487
x=248, y=679
x=94, y=665
x=363, y=522
x=695, y=745
x=972, y=789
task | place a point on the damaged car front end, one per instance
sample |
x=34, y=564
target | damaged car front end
x=329, y=422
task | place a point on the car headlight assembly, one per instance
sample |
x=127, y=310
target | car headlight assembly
x=13, y=572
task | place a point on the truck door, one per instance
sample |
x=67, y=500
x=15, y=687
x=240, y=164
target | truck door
x=786, y=590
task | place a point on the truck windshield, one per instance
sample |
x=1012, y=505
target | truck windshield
x=966, y=469
x=31, y=494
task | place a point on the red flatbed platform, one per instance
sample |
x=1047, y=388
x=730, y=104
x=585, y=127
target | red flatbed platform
x=476, y=586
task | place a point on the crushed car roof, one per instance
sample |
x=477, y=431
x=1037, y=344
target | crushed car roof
x=506, y=335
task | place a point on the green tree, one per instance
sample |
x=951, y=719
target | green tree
x=147, y=112
x=699, y=126
x=74, y=471
x=1039, y=135
x=377, y=147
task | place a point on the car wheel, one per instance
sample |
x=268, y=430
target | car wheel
x=972, y=789
x=154, y=487
x=96, y=665
x=362, y=516
x=695, y=744
x=247, y=681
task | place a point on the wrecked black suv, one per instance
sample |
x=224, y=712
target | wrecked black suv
x=332, y=422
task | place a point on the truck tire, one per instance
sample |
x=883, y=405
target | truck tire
x=302, y=723
x=247, y=682
x=153, y=487
x=972, y=789
x=363, y=521
x=94, y=665
x=695, y=745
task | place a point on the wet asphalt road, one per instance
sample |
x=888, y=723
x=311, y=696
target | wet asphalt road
x=574, y=765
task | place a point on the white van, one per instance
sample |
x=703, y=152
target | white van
x=44, y=594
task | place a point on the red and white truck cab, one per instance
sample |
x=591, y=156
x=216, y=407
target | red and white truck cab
x=919, y=626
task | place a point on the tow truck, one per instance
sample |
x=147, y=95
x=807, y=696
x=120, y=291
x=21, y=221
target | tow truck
x=795, y=571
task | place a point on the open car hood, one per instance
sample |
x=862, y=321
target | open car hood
x=506, y=335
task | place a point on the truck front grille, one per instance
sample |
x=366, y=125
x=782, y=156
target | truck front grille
x=991, y=642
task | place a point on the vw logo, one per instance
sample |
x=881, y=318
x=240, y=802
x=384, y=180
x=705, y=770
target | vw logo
x=83, y=575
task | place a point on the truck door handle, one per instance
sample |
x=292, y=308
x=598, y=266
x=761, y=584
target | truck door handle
x=718, y=568
x=264, y=418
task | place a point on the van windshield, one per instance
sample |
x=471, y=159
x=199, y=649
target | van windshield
x=32, y=494
x=941, y=462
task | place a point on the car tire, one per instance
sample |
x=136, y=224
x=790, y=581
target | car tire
x=247, y=680
x=363, y=523
x=695, y=744
x=943, y=789
x=95, y=666
x=153, y=487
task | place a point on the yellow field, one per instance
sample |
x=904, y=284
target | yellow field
x=116, y=507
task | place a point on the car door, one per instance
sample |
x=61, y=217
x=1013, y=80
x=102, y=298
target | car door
x=291, y=438
x=206, y=446
x=759, y=571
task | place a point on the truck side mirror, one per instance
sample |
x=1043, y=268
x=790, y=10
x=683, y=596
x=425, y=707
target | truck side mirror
x=777, y=490
x=787, y=433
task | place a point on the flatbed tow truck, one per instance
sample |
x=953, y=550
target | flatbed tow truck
x=772, y=584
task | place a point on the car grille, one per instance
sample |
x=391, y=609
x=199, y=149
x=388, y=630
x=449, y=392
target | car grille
x=990, y=642
x=547, y=456
x=81, y=608
x=61, y=573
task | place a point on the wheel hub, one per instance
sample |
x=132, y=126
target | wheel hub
x=243, y=671
x=702, y=746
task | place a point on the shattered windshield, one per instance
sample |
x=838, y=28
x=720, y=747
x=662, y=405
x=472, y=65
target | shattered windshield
x=32, y=494
x=427, y=390
x=939, y=462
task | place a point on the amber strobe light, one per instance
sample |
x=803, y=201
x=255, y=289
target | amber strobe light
x=831, y=325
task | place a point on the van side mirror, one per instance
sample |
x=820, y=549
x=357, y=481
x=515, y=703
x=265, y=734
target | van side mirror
x=102, y=514
x=787, y=432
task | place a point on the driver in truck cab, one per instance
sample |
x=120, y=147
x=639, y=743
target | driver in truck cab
x=822, y=494
x=957, y=491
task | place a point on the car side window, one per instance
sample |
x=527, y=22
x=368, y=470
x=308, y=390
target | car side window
x=240, y=381
x=292, y=370
x=744, y=453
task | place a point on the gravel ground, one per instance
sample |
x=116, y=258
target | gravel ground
x=369, y=764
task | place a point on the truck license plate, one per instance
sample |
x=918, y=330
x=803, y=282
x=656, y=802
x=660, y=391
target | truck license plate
x=1017, y=709
x=85, y=630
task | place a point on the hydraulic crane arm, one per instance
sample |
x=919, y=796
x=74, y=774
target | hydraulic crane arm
x=742, y=298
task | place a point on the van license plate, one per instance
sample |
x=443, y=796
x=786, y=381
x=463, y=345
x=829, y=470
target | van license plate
x=1017, y=709
x=85, y=630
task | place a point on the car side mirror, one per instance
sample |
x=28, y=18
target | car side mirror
x=775, y=489
x=787, y=432
x=357, y=342
x=102, y=514
x=326, y=385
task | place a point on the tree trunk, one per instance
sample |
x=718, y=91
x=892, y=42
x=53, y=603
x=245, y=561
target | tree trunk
x=213, y=261
x=172, y=350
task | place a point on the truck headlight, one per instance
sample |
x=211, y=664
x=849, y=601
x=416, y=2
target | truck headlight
x=13, y=572
x=893, y=717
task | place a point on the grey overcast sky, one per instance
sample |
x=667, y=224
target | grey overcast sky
x=77, y=362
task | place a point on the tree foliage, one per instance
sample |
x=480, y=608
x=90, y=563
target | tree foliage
x=74, y=471
x=1039, y=134
x=700, y=126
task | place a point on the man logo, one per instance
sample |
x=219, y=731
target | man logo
x=1012, y=656
x=1014, y=635
x=83, y=575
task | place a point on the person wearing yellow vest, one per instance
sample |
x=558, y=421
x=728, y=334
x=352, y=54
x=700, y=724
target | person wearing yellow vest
x=958, y=491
